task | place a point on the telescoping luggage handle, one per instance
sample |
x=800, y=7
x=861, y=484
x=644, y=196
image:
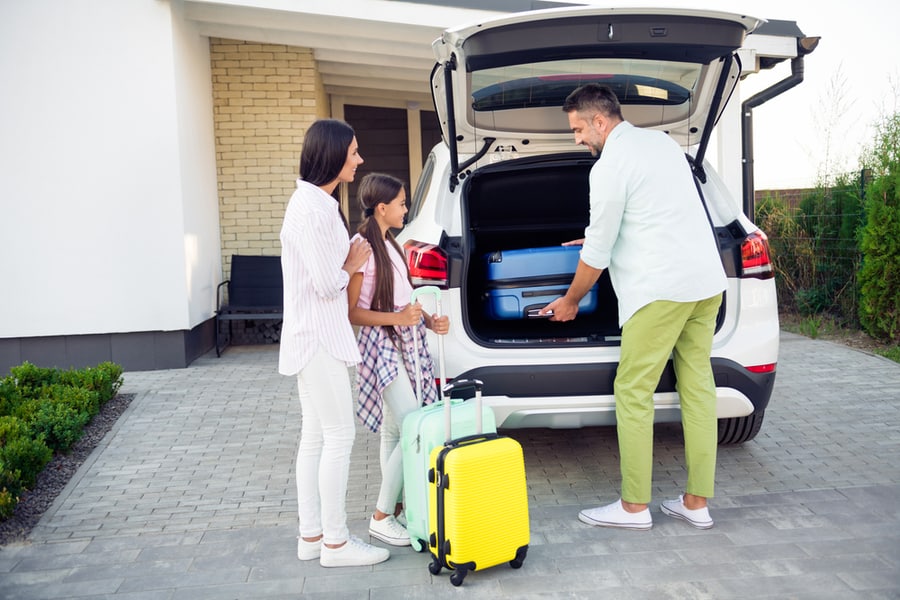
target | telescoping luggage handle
x=435, y=291
x=460, y=384
x=446, y=388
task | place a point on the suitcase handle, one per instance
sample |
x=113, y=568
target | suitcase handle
x=435, y=291
x=461, y=384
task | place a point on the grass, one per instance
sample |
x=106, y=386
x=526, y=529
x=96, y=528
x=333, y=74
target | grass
x=891, y=353
x=827, y=328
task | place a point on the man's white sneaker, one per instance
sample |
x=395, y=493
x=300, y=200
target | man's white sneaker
x=355, y=553
x=698, y=517
x=614, y=515
x=308, y=550
x=389, y=531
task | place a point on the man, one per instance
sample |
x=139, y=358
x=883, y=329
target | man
x=649, y=228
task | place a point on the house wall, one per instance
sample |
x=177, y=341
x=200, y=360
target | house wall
x=108, y=234
x=265, y=96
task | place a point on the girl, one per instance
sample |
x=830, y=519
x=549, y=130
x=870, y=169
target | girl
x=317, y=344
x=379, y=295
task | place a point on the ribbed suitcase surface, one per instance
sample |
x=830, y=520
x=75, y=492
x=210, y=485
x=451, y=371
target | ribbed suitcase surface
x=478, y=505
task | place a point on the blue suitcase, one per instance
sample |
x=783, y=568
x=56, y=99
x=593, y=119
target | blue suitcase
x=521, y=282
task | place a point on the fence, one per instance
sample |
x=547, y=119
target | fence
x=815, y=247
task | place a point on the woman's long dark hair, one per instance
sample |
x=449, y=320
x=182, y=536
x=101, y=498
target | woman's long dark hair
x=375, y=189
x=324, y=153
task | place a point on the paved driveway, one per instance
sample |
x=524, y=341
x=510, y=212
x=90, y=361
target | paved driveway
x=191, y=496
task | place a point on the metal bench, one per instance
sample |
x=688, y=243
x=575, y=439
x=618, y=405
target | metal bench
x=254, y=292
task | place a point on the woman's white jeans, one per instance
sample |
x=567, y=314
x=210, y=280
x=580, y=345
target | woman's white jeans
x=326, y=439
x=399, y=400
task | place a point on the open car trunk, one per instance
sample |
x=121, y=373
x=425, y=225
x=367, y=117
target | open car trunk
x=529, y=203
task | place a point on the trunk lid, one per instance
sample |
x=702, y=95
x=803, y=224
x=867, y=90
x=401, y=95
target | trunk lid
x=499, y=85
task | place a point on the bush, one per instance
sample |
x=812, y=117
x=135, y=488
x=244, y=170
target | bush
x=43, y=410
x=792, y=252
x=105, y=379
x=879, y=277
x=22, y=455
x=62, y=414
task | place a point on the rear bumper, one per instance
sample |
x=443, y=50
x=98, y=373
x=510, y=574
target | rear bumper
x=580, y=395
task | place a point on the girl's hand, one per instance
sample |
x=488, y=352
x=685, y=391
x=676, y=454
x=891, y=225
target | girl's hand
x=440, y=325
x=410, y=315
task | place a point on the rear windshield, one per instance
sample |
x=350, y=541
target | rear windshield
x=647, y=82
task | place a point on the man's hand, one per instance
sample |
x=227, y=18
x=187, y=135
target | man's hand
x=561, y=309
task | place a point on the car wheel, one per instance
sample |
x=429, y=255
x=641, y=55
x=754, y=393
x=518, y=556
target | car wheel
x=740, y=429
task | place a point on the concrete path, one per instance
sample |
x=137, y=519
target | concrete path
x=191, y=496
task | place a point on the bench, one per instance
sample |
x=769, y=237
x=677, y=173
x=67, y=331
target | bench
x=254, y=292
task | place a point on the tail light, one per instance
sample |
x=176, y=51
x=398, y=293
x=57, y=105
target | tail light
x=427, y=264
x=756, y=260
x=766, y=368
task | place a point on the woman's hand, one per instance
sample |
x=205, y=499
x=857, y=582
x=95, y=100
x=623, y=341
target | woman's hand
x=359, y=253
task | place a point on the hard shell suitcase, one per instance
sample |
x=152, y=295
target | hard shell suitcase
x=521, y=282
x=478, y=502
x=424, y=429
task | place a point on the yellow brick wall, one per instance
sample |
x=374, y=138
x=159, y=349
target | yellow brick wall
x=264, y=98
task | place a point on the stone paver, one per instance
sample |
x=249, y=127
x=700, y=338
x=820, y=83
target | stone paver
x=191, y=496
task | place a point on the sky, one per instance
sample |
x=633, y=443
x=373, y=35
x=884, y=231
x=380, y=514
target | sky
x=851, y=81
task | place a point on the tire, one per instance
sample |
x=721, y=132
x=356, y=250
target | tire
x=738, y=430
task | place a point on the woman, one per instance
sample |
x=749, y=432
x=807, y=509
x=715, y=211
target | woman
x=317, y=343
x=379, y=296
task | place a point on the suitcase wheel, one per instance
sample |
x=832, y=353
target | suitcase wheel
x=456, y=578
x=419, y=545
x=519, y=560
x=434, y=567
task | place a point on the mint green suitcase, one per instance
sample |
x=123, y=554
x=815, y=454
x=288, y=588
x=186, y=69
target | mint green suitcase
x=426, y=428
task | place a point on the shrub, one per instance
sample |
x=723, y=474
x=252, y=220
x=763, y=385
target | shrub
x=8, y=501
x=830, y=218
x=10, y=396
x=43, y=410
x=62, y=414
x=22, y=456
x=879, y=308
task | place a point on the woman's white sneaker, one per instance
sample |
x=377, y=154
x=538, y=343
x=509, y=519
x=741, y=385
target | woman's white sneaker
x=698, y=517
x=308, y=550
x=389, y=530
x=355, y=553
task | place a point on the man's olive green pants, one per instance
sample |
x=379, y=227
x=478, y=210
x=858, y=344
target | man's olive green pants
x=684, y=331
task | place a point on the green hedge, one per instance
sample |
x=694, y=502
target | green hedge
x=42, y=411
x=879, y=277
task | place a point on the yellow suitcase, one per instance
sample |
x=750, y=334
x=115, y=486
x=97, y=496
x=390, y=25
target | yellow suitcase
x=478, y=508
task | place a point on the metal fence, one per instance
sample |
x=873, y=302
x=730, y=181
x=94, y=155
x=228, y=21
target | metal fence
x=816, y=252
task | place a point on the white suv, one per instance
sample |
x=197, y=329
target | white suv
x=509, y=176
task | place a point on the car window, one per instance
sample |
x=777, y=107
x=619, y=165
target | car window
x=647, y=82
x=418, y=197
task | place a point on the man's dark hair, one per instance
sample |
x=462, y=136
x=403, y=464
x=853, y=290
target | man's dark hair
x=592, y=98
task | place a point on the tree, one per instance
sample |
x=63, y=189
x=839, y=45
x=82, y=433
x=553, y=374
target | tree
x=879, y=277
